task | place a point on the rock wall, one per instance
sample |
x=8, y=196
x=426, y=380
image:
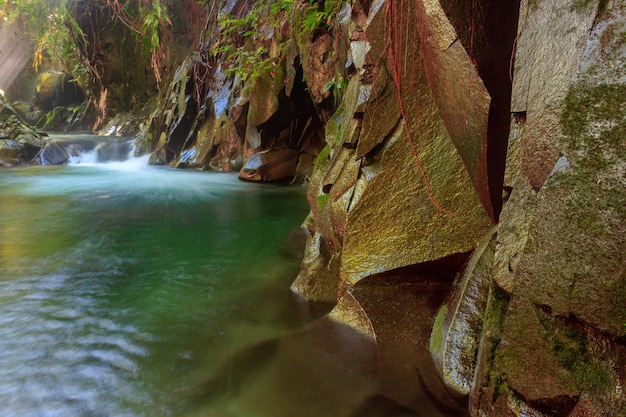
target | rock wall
x=470, y=203
x=555, y=340
x=215, y=119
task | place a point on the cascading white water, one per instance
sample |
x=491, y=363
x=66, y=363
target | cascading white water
x=94, y=157
x=89, y=149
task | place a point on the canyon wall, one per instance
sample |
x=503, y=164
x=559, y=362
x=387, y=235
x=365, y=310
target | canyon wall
x=478, y=222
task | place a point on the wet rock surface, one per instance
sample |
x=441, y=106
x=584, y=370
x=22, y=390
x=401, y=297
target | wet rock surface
x=272, y=165
x=457, y=330
x=557, y=346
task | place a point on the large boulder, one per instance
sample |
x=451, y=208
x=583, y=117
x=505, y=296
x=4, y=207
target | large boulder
x=53, y=154
x=272, y=165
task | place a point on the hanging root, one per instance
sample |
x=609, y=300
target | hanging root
x=395, y=50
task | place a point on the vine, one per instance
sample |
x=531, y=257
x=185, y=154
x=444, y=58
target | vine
x=396, y=46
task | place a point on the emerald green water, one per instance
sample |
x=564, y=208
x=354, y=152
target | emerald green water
x=125, y=289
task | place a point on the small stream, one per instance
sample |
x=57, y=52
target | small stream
x=128, y=290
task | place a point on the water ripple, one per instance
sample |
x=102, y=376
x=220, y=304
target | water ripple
x=65, y=352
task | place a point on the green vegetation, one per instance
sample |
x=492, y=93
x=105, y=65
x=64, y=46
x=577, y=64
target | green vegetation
x=241, y=47
x=497, y=304
x=245, y=45
x=65, y=35
x=604, y=104
x=618, y=299
x=320, y=13
x=570, y=347
x=322, y=201
x=337, y=85
x=581, y=5
x=594, y=127
x=322, y=157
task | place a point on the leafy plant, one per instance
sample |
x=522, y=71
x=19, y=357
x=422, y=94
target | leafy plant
x=242, y=43
x=320, y=13
x=152, y=27
x=337, y=85
x=60, y=42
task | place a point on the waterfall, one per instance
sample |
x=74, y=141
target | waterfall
x=89, y=149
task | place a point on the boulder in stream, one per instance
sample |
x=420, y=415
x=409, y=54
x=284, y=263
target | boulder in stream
x=276, y=164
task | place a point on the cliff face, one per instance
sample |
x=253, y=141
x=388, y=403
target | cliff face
x=510, y=261
x=556, y=338
x=223, y=108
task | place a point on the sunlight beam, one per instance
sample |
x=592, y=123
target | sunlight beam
x=13, y=55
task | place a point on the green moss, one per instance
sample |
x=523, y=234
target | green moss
x=322, y=201
x=494, y=320
x=436, y=336
x=618, y=300
x=594, y=209
x=323, y=155
x=498, y=302
x=336, y=127
x=569, y=346
x=581, y=5
x=594, y=122
x=502, y=389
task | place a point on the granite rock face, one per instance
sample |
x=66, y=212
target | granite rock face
x=555, y=345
